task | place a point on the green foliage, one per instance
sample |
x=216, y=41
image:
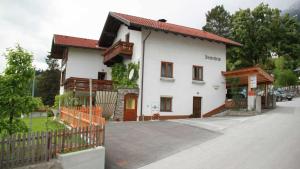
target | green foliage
x=262, y=31
x=235, y=92
x=15, y=96
x=218, y=21
x=39, y=103
x=48, y=82
x=284, y=76
x=67, y=99
x=120, y=75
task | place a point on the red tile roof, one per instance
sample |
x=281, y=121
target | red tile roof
x=169, y=27
x=75, y=42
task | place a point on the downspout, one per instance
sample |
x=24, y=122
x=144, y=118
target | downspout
x=142, y=83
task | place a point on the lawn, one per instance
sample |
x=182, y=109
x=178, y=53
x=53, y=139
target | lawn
x=43, y=124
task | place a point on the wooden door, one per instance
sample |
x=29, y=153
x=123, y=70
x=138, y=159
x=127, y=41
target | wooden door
x=130, y=107
x=196, y=107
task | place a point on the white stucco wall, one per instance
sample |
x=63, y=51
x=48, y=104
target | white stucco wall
x=136, y=39
x=85, y=63
x=184, y=52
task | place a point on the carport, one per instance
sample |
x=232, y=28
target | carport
x=253, y=78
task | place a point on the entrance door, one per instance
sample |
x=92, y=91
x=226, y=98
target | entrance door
x=196, y=107
x=130, y=107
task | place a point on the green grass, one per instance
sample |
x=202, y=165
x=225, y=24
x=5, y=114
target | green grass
x=43, y=124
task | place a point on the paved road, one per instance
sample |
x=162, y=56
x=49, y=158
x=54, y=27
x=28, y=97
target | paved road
x=267, y=141
x=132, y=145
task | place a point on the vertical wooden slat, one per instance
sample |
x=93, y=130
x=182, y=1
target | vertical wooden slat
x=54, y=144
x=18, y=148
x=48, y=145
x=12, y=153
x=26, y=148
x=1, y=151
x=38, y=146
x=63, y=140
x=70, y=139
x=33, y=148
x=41, y=146
x=86, y=137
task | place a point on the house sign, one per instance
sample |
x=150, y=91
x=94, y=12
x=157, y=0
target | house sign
x=252, y=81
x=212, y=58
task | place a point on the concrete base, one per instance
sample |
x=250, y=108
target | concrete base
x=240, y=113
x=251, y=103
x=93, y=158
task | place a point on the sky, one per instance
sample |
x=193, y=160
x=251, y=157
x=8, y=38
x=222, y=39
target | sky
x=32, y=23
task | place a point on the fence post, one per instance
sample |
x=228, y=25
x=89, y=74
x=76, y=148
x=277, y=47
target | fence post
x=63, y=140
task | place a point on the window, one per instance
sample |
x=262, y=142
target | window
x=166, y=69
x=130, y=103
x=127, y=36
x=101, y=75
x=198, y=73
x=166, y=104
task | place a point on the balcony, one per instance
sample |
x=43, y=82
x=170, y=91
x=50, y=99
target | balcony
x=117, y=52
x=82, y=84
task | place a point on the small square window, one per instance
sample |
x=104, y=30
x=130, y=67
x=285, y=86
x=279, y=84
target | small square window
x=198, y=73
x=101, y=75
x=166, y=104
x=166, y=69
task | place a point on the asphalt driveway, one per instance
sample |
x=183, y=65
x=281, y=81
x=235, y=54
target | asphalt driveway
x=131, y=145
x=267, y=141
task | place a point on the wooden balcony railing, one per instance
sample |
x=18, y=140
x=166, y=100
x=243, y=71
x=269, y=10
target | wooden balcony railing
x=82, y=84
x=121, y=49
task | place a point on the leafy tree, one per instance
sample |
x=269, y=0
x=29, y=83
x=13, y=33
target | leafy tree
x=48, y=82
x=284, y=76
x=15, y=96
x=261, y=31
x=218, y=21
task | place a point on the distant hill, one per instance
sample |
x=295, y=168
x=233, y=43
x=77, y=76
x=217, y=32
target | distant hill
x=294, y=10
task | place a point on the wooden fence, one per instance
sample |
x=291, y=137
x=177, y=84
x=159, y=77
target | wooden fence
x=80, y=116
x=35, y=147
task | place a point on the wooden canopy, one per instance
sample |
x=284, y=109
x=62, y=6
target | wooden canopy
x=262, y=76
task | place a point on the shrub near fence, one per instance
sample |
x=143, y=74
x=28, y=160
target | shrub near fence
x=80, y=116
x=35, y=147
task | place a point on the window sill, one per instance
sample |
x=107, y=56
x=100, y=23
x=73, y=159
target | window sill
x=198, y=82
x=169, y=79
x=166, y=111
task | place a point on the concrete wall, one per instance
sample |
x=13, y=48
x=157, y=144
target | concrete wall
x=85, y=63
x=184, y=52
x=86, y=159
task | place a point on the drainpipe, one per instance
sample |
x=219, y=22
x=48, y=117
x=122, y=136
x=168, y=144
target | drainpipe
x=142, y=83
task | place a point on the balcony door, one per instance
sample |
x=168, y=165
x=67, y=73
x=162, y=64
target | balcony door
x=130, y=107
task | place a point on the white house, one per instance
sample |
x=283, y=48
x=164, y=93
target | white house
x=180, y=71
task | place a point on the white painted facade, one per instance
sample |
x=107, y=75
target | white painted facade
x=84, y=63
x=183, y=52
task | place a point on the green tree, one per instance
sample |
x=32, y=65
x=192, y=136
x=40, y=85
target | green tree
x=218, y=21
x=15, y=96
x=261, y=31
x=284, y=76
x=48, y=82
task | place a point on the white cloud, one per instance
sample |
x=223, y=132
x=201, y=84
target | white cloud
x=32, y=23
